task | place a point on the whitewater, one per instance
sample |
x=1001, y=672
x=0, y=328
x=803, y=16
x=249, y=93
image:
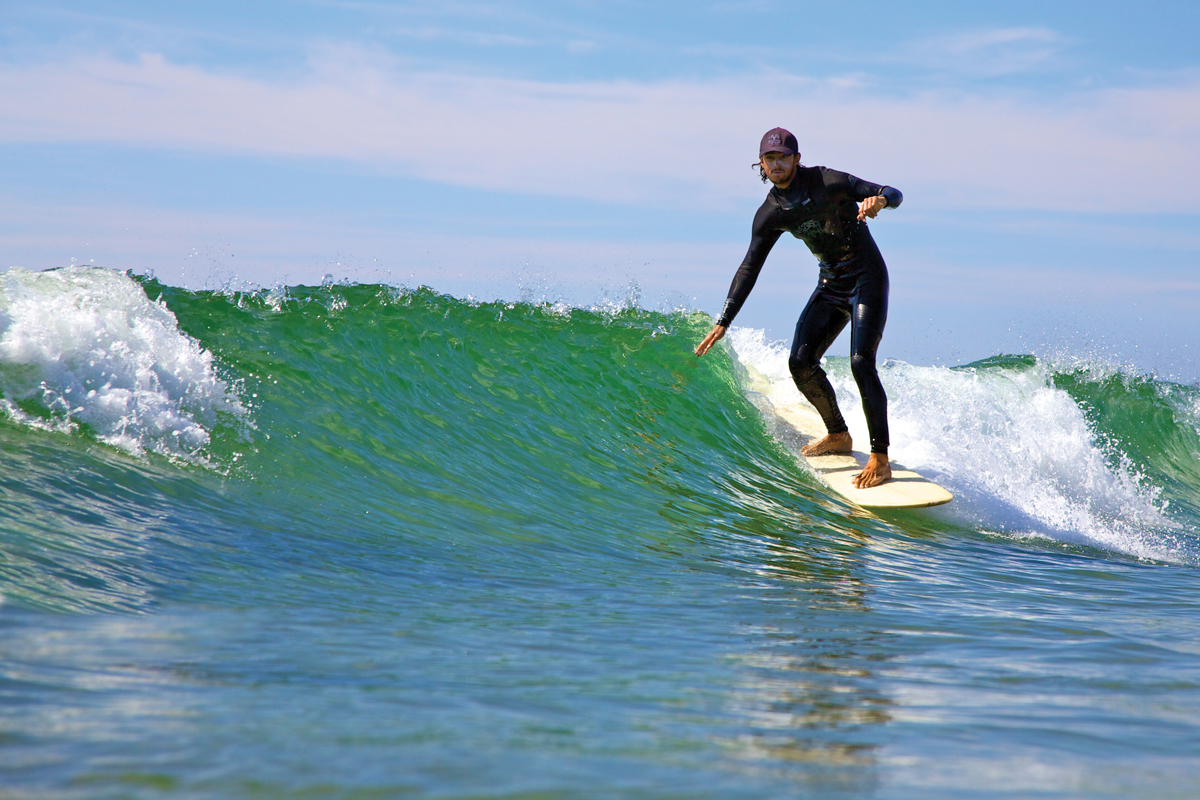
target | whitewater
x=375, y=541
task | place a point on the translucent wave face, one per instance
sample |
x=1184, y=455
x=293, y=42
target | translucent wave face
x=1017, y=452
x=86, y=346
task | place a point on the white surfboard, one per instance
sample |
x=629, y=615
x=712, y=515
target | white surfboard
x=906, y=489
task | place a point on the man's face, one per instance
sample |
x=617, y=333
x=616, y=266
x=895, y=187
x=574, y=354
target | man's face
x=780, y=168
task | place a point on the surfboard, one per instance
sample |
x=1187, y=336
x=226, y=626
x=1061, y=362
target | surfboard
x=906, y=489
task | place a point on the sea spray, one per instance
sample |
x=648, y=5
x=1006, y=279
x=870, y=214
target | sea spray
x=86, y=346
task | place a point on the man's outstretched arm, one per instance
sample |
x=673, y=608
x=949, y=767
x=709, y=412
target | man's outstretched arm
x=762, y=238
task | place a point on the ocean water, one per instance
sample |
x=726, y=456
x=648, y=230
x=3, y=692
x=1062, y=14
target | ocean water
x=372, y=542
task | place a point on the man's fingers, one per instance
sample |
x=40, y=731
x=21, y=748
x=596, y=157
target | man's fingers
x=707, y=342
x=870, y=207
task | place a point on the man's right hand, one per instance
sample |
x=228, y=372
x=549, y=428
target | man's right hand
x=713, y=337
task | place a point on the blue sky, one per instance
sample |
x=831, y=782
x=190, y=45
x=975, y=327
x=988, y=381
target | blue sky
x=570, y=150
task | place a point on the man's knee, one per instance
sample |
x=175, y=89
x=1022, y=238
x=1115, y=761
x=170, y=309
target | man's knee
x=803, y=369
x=862, y=366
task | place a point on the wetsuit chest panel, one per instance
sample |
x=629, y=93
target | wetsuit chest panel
x=822, y=216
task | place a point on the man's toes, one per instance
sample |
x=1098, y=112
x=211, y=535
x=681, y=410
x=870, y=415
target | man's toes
x=864, y=480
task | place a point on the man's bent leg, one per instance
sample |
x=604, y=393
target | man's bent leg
x=819, y=324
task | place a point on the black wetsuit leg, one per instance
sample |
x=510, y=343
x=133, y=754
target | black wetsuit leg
x=870, y=304
x=860, y=298
x=822, y=320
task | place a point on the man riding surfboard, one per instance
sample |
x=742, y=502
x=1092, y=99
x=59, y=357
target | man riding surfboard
x=827, y=210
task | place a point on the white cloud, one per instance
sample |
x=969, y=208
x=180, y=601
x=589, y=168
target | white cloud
x=684, y=142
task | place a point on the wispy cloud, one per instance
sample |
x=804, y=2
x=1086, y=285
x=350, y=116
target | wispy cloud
x=686, y=142
x=460, y=36
x=989, y=53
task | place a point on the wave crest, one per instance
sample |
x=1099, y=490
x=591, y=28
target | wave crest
x=85, y=346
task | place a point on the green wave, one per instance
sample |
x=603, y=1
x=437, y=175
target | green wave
x=1151, y=423
x=383, y=419
x=1148, y=423
x=380, y=420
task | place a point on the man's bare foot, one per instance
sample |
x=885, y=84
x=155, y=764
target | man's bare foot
x=832, y=443
x=874, y=473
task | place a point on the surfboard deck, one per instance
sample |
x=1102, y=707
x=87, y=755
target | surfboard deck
x=906, y=489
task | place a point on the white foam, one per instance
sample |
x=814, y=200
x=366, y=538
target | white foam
x=1017, y=452
x=1189, y=409
x=87, y=346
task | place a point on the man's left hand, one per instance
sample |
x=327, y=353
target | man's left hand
x=871, y=206
x=713, y=337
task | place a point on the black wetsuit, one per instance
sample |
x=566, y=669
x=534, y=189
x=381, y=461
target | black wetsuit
x=820, y=207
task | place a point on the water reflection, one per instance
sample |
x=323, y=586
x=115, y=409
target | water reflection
x=807, y=692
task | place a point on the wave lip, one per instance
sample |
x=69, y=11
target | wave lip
x=85, y=346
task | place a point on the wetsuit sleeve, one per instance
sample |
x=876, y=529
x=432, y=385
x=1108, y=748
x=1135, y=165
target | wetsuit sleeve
x=763, y=237
x=860, y=190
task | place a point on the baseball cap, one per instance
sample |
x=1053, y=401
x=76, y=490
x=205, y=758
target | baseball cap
x=778, y=140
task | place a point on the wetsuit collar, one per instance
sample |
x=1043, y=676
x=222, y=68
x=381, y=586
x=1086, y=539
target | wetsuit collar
x=795, y=191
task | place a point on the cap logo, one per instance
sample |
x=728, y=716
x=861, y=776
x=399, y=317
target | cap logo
x=773, y=140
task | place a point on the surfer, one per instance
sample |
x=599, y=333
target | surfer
x=827, y=210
